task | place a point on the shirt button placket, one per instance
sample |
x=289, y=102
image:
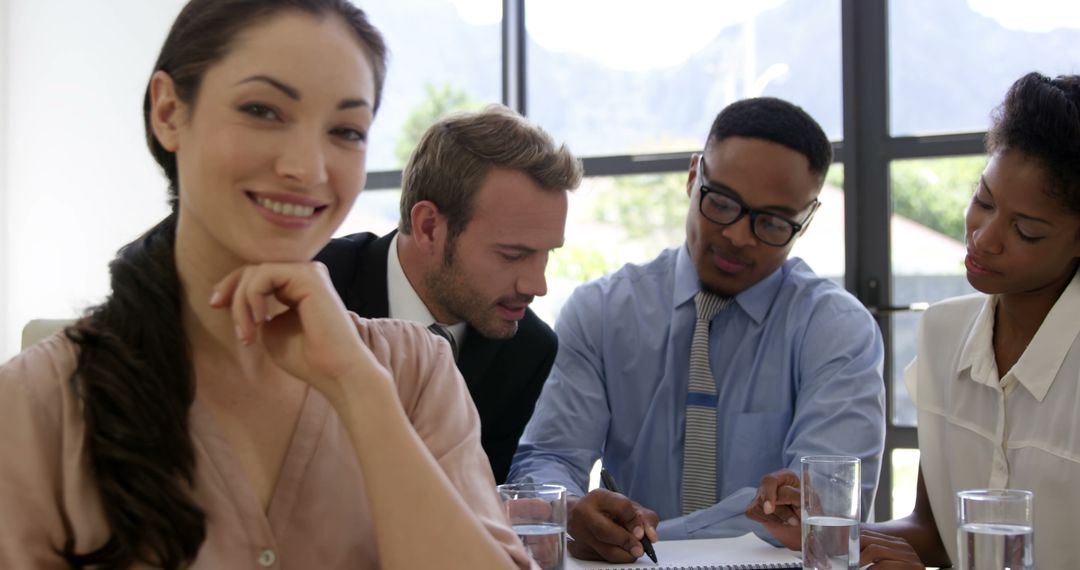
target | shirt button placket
x=267, y=558
x=999, y=474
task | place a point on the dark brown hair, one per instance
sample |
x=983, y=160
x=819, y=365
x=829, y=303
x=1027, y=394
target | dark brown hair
x=1041, y=119
x=134, y=372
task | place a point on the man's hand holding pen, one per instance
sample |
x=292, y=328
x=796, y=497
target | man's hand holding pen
x=606, y=525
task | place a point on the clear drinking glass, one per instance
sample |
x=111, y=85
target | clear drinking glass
x=994, y=529
x=830, y=512
x=538, y=515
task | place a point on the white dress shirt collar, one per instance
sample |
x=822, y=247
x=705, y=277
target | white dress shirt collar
x=404, y=303
x=1041, y=360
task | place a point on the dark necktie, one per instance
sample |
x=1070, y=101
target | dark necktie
x=445, y=333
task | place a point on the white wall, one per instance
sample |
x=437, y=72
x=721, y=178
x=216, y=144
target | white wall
x=5, y=33
x=79, y=182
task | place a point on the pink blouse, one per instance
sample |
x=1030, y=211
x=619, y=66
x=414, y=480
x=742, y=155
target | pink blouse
x=318, y=515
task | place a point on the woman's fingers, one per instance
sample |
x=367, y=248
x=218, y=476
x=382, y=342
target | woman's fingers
x=223, y=290
x=259, y=288
x=887, y=552
x=241, y=310
x=293, y=312
x=255, y=294
x=225, y=297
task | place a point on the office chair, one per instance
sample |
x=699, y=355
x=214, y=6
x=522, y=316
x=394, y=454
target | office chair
x=40, y=329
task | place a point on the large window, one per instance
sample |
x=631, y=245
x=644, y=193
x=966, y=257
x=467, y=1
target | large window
x=904, y=88
x=950, y=61
x=616, y=78
x=614, y=220
x=928, y=201
x=444, y=56
x=929, y=197
x=374, y=211
x=922, y=78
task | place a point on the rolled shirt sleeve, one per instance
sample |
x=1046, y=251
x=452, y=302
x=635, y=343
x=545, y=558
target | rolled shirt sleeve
x=566, y=434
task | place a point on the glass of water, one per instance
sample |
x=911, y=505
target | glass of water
x=995, y=531
x=830, y=512
x=538, y=515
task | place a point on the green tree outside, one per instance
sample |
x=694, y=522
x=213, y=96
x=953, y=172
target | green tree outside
x=579, y=264
x=649, y=211
x=645, y=206
x=438, y=102
x=933, y=192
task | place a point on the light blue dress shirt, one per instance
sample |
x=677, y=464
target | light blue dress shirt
x=797, y=362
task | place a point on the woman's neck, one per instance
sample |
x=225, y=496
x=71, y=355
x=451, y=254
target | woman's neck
x=1018, y=317
x=200, y=265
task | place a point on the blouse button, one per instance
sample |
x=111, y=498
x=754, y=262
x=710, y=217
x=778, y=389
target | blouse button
x=267, y=558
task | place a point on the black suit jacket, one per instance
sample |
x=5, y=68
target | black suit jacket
x=504, y=376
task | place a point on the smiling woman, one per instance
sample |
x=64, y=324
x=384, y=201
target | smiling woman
x=263, y=139
x=221, y=408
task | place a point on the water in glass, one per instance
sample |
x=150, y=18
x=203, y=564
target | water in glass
x=830, y=543
x=546, y=544
x=996, y=547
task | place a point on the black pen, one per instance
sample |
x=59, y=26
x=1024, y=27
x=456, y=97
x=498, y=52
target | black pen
x=608, y=482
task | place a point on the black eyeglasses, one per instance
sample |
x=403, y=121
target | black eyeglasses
x=724, y=209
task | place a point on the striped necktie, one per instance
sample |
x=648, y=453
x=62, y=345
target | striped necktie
x=699, y=448
x=445, y=333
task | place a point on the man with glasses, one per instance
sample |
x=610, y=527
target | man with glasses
x=694, y=375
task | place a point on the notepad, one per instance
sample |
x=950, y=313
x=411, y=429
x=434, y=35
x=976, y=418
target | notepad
x=745, y=552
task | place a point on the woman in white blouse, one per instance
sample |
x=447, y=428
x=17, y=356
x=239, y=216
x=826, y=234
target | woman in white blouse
x=997, y=378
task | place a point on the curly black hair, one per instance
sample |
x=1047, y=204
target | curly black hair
x=1041, y=119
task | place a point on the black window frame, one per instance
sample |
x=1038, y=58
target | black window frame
x=866, y=151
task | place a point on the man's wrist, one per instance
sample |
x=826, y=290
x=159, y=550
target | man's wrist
x=571, y=501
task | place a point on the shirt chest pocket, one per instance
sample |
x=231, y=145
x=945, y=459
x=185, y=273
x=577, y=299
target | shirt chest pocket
x=754, y=447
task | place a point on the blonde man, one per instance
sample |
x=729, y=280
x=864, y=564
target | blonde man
x=483, y=203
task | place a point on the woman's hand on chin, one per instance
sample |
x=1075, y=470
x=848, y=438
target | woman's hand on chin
x=293, y=310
